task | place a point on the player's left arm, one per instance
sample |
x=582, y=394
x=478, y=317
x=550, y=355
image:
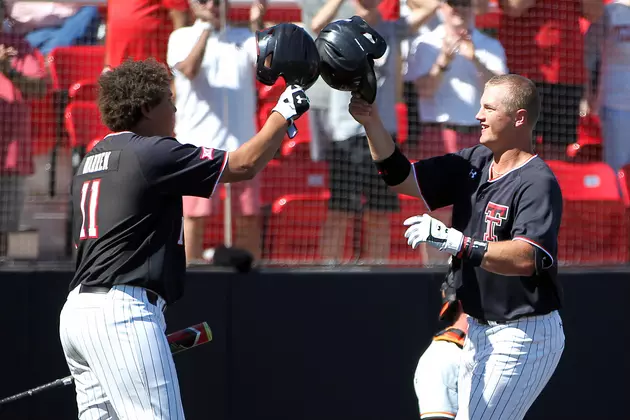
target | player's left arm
x=536, y=226
x=534, y=232
x=509, y=258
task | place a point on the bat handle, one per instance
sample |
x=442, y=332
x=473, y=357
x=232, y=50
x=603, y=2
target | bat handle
x=51, y=385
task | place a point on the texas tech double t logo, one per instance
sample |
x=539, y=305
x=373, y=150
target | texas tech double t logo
x=495, y=214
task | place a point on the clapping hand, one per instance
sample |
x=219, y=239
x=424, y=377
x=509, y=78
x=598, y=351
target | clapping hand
x=257, y=11
x=465, y=46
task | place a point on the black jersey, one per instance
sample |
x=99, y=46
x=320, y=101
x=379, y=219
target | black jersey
x=127, y=210
x=523, y=204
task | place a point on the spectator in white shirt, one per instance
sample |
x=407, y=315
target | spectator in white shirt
x=608, y=55
x=215, y=95
x=449, y=67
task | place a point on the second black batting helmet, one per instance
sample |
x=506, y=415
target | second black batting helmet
x=347, y=50
x=289, y=51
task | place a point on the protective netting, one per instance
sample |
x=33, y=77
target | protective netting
x=319, y=201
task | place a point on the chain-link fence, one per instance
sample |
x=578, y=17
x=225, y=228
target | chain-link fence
x=320, y=200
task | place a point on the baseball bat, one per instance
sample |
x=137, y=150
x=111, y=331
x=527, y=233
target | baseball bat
x=178, y=341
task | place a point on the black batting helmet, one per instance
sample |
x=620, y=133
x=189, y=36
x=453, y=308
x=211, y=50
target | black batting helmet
x=292, y=55
x=347, y=50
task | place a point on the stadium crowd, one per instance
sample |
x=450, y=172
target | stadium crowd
x=321, y=200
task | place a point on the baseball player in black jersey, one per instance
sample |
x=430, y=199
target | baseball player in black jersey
x=507, y=207
x=128, y=229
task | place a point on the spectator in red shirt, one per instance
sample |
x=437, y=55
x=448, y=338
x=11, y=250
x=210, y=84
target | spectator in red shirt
x=22, y=77
x=543, y=42
x=139, y=29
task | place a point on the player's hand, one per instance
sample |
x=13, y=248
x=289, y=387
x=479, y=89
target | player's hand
x=362, y=111
x=433, y=232
x=448, y=51
x=292, y=104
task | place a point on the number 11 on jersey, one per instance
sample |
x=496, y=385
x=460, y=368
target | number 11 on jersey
x=89, y=208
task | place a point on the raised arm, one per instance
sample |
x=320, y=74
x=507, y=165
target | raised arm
x=392, y=165
x=184, y=57
x=421, y=12
x=183, y=169
x=437, y=181
x=249, y=159
x=325, y=15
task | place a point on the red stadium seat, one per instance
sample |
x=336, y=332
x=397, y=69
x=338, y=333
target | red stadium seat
x=84, y=90
x=83, y=123
x=594, y=228
x=290, y=177
x=624, y=182
x=588, y=147
x=294, y=229
x=71, y=64
x=299, y=146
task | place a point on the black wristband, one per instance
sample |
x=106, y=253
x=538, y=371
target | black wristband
x=473, y=251
x=395, y=169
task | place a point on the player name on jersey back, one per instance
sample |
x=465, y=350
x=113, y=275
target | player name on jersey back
x=100, y=162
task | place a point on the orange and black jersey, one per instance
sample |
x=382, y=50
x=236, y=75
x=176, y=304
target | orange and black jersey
x=524, y=204
x=127, y=210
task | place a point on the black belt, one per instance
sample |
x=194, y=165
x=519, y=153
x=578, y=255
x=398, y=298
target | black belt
x=485, y=322
x=152, y=297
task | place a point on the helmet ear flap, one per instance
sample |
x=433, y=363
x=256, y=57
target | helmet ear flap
x=368, y=85
x=288, y=51
x=264, y=47
x=377, y=43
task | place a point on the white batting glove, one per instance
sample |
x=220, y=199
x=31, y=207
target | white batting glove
x=435, y=233
x=292, y=104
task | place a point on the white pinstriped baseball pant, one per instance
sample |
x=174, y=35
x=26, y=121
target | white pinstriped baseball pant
x=505, y=367
x=118, y=354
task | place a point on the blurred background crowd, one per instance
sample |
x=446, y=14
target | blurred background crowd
x=320, y=200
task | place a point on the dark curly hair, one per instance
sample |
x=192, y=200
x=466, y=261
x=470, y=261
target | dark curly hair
x=126, y=89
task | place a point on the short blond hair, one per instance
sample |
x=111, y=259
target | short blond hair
x=521, y=94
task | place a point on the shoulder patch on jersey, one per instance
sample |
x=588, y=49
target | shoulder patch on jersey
x=207, y=153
